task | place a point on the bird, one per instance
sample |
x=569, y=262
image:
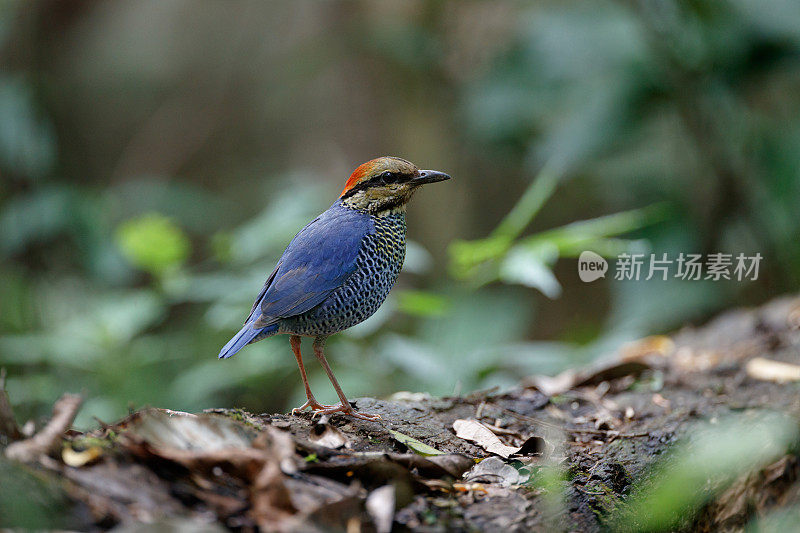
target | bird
x=337, y=271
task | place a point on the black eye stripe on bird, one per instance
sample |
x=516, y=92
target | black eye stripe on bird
x=386, y=178
x=339, y=269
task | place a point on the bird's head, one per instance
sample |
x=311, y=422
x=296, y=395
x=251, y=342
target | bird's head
x=385, y=184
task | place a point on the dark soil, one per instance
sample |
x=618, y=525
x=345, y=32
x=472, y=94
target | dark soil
x=603, y=429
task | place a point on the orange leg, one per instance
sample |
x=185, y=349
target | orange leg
x=311, y=402
x=344, y=406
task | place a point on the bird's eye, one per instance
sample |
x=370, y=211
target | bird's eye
x=388, y=177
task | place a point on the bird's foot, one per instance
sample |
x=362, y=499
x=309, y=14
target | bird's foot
x=345, y=409
x=314, y=405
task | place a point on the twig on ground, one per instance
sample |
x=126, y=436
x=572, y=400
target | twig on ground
x=48, y=439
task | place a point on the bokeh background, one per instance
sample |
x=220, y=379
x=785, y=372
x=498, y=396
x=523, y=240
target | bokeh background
x=156, y=157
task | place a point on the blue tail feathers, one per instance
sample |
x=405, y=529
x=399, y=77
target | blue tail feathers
x=245, y=336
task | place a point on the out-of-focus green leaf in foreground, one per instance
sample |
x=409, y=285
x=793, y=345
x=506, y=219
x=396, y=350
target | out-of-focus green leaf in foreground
x=712, y=457
x=30, y=500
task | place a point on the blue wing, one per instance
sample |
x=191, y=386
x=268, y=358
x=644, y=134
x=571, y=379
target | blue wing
x=318, y=260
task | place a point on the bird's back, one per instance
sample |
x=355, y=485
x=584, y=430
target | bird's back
x=377, y=265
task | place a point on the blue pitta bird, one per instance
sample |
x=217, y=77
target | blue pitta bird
x=339, y=269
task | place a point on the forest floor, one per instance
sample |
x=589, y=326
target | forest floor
x=591, y=449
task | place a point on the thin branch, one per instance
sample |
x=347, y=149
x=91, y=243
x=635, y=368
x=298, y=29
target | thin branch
x=48, y=439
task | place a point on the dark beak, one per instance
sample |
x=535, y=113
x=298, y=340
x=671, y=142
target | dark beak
x=429, y=176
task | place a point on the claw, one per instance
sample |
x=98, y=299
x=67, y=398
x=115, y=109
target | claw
x=313, y=404
x=344, y=409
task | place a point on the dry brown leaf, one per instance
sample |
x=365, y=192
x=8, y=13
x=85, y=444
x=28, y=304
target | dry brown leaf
x=502, y=431
x=474, y=431
x=205, y=442
x=271, y=501
x=380, y=506
x=105, y=485
x=552, y=385
x=324, y=434
x=280, y=445
x=162, y=428
x=775, y=371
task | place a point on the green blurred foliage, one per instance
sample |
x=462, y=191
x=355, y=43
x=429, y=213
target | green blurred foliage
x=153, y=243
x=33, y=501
x=157, y=157
x=530, y=261
x=702, y=467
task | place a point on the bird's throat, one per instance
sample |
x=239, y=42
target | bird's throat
x=376, y=205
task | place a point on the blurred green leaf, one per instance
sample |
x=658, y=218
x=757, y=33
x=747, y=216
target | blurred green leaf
x=468, y=257
x=531, y=266
x=573, y=238
x=711, y=458
x=529, y=262
x=538, y=192
x=153, y=243
x=421, y=303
